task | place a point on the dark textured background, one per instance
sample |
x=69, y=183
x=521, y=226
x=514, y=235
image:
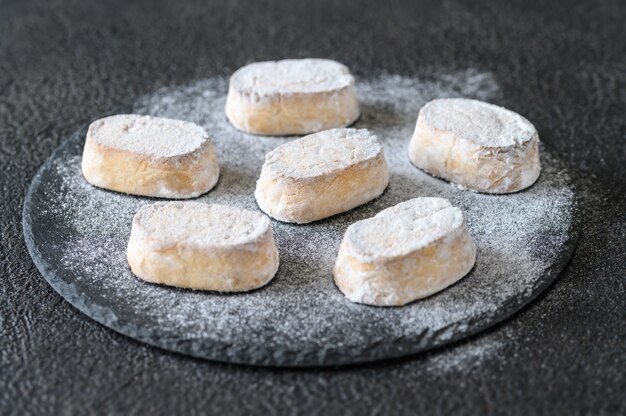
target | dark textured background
x=561, y=65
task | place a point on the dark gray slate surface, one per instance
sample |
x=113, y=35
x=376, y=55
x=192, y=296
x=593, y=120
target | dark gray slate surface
x=562, y=65
x=77, y=236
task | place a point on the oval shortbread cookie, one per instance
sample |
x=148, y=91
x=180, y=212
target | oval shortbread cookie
x=477, y=145
x=201, y=246
x=404, y=253
x=321, y=175
x=293, y=96
x=150, y=156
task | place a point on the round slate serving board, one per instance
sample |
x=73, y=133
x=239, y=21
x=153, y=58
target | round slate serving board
x=77, y=236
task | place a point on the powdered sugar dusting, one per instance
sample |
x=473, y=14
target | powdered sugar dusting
x=200, y=224
x=403, y=228
x=301, y=318
x=477, y=122
x=147, y=135
x=323, y=152
x=291, y=76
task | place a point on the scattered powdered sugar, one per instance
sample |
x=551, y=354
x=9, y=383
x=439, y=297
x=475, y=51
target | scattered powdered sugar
x=291, y=76
x=160, y=137
x=300, y=318
x=466, y=357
